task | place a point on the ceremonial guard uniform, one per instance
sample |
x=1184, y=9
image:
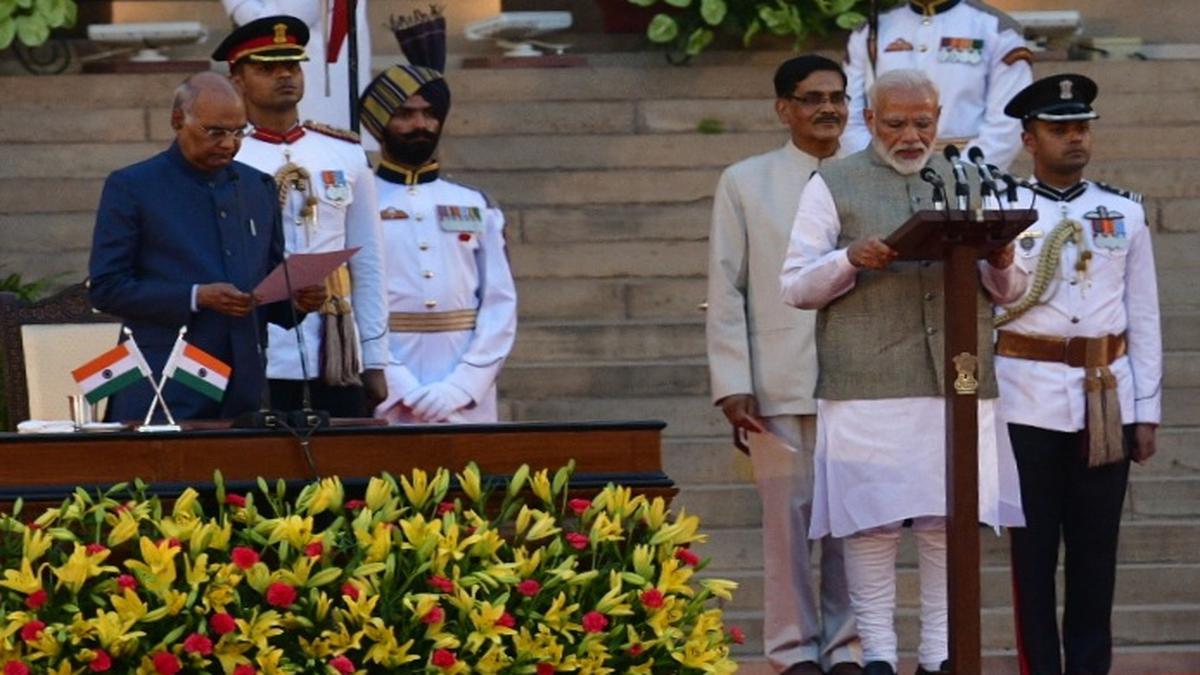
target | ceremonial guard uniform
x=973, y=52
x=1078, y=357
x=450, y=290
x=327, y=197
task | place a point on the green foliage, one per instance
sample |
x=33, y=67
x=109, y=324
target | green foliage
x=31, y=21
x=711, y=126
x=687, y=27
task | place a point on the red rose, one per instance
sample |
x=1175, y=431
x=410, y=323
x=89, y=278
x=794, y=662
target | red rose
x=94, y=548
x=281, y=595
x=652, y=598
x=342, y=665
x=222, y=623
x=34, y=526
x=443, y=658
x=441, y=583
x=736, y=635
x=166, y=663
x=31, y=630
x=36, y=599
x=198, y=644
x=235, y=500
x=350, y=590
x=545, y=669
x=594, y=622
x=635, y=650
x=529, y=588
x=127, y=581
x=579, y=506
x=445, y=507
x=435, y=615
x=355, y=504
x=101, y=662
x=507, y=620
x=15, y=668
x=314, y=549
x=174, y=542
x=244, y=557
x=577, y=540
x=686, y=557
x=245, y=669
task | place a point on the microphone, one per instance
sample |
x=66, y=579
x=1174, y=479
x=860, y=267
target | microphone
x=962, y=189
x=1011, y=184
x=306, y=417
x=929, y=175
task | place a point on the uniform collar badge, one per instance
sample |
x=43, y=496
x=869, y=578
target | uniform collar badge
x=1108, y=228
x=899, y=45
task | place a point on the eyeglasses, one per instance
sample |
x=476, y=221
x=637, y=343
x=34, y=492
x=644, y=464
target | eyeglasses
x=815, y=98
x=218, y=134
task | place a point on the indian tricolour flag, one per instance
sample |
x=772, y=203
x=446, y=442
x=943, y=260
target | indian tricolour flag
x=111, y=372
x=195, y=368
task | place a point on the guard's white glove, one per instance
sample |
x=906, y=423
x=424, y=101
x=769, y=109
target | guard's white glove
x=435, y=401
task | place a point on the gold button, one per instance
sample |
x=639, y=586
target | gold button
x=922, y=49
x=428, y=274
x=424, y=246
x=418, y=217
x=431, y=304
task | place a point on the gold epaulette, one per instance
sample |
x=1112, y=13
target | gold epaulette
x=340, y=134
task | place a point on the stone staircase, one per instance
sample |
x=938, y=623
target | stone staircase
x=606, y=185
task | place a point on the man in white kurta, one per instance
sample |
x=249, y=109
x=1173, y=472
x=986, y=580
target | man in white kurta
x=451, y=297
x=880, y=451
x=974, y=53
x=327, y=94
x=763, y=365
x=1079, y=363
x=327, y=199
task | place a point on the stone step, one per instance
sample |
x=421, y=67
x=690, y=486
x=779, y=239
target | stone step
x=1181, y=406
x=1181, y=369
x=706, y=461
x=618, y=222
x=1176, y=215
x=1166, y=496
x=581, y=379
x=1142, y=625
x=1177, y=451
x=686, y=416
x=658, y=298
x=1150, y=540
x=626, y=341
x=575, y=260
x=1174, y=251
x=1136, y=585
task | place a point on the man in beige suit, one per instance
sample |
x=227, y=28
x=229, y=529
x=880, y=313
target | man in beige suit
x=763, y=364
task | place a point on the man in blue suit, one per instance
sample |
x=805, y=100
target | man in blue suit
x=181, y=239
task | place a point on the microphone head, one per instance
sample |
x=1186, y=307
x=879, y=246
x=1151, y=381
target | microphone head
x=975, y=155
x=929, y=175
x=951, y=153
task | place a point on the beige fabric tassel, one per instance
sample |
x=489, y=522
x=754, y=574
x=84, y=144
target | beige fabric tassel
x=1106, y=444
x=341, y=356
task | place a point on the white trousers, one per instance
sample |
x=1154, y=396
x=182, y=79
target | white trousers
x=871, y=575
x=801, y=622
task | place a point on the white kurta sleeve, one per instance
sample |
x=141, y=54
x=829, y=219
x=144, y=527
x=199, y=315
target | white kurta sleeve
x=1143, y=330
x=496, y=323
x=1006, y=286
x=1000, y=135
x=726, y=330
x=368, y=291
x=816, y=272
x=856, y=136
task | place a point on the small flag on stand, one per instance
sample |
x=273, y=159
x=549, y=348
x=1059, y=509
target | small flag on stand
x=111, y=372
x=198, y=370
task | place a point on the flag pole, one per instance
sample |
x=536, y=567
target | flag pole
x=171, y=425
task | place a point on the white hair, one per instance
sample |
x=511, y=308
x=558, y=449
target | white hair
x=904, y=79
x=190, y=89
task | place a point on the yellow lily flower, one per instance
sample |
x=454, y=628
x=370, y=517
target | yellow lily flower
x=80, y=567
x=540, y=484
x=23, y=580
x=157, y=566
x=470, y=482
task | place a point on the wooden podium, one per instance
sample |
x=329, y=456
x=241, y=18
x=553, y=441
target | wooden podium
x=959, y=239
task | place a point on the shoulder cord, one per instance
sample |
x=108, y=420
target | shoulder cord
x=1067, y=230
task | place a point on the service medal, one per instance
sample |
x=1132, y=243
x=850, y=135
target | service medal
x=1108, y=229
x=337, y=189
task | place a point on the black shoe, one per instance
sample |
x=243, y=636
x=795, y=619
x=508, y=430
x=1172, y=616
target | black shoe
x=846, y=668
x=805, y=668
x=943, y=669
x=878, y=668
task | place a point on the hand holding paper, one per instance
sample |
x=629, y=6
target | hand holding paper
x=303, y=270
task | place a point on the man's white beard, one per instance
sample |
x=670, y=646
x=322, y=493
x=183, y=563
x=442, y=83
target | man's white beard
x=905, y=167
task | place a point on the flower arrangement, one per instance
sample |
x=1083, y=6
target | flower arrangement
x=687, y=27
x=407, y=579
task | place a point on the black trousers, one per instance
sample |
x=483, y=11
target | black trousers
x=338, y=401
x=1062, y=497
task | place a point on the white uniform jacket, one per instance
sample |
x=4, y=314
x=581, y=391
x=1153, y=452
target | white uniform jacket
x=439, y=262
x=332, y=107
x=757, y=345
x=973, y=53
x=1117, y=293
x=347, y=216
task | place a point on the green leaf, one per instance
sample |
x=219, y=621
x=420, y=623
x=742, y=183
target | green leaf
x=753, y=29
x=713, y=11
x=678, y=3
x=850, y=20
x=662, y=28
x=642, y=3
x=698, y=40
x=70, y=13
x=24, y=4
x=7, y=7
